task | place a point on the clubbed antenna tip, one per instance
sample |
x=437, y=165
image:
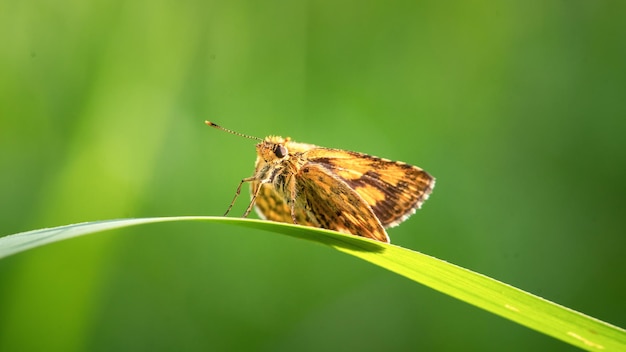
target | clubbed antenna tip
x=230, y=131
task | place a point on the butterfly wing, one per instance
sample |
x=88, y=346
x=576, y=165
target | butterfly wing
x=271, y=205
x=322, y=200
x=332, y=204
x=394, y=190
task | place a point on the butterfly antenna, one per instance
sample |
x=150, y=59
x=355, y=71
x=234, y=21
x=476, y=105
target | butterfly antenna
x=230, y=131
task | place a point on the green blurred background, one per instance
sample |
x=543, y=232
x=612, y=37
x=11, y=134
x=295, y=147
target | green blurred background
x=517, y=107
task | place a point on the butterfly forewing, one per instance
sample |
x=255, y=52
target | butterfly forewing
x=394, y=190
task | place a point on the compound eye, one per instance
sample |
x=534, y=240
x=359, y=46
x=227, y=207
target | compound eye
x=280, y=151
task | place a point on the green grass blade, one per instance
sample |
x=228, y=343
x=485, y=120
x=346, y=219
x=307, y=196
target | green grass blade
x=479, y=290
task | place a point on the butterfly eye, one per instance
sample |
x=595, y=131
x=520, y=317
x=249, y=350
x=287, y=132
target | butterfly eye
x=280, y=151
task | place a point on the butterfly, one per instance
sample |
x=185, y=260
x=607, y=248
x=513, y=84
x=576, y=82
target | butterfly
x=349, y=192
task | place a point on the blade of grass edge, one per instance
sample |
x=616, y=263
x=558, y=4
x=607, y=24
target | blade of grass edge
x=524, y=308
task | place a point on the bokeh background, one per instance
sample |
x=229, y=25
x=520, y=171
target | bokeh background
x=517, y=107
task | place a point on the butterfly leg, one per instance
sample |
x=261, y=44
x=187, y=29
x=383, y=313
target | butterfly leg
x=292, y=201
x=293, y=213
x=254, y=195
x=248, y=179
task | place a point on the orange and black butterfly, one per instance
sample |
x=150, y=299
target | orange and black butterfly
x=335, y=189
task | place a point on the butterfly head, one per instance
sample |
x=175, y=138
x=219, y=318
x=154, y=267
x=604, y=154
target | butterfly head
x=273, y=149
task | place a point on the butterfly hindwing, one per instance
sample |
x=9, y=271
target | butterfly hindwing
x=332, y=204
x=271, y=205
